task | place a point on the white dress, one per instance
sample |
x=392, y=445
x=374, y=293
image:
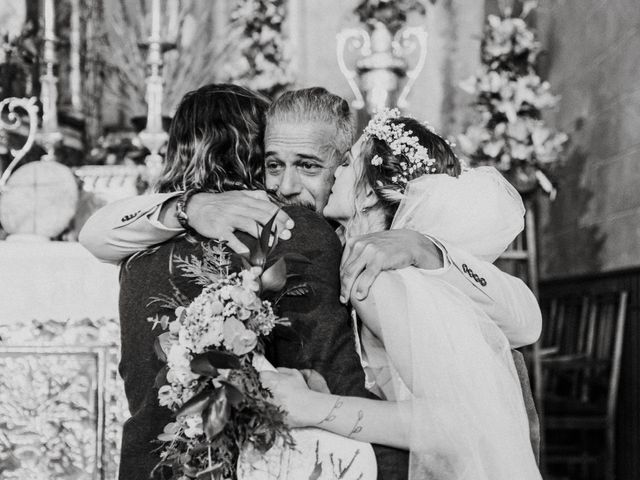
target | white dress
x=318, y=455
x=440, y=351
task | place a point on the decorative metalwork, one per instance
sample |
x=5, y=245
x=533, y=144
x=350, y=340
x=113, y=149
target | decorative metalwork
x=153, y=136
x=62, y=404
x=405, y=43
x=14, y=122
x=383, y=63
x=50, y=134
x=354, y=39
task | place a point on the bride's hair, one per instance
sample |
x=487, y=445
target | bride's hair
x=380, y=177
x=216, y=141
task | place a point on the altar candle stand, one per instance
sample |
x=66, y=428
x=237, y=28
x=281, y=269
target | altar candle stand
x=50, y=135
x=153, y=136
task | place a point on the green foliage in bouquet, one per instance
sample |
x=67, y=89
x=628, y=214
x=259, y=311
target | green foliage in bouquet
x=260, y=59
x=392, y=13
x=209, y=380
x=508, y=131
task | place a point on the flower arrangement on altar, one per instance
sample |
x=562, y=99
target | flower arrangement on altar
x=392, y=13
x=508, y=131
x=261, y=59
x=209, y=380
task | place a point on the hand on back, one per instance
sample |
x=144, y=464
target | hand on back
x=221, y=215
x=365, y=256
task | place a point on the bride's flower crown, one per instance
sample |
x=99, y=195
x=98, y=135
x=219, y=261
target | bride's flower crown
x=401, y=142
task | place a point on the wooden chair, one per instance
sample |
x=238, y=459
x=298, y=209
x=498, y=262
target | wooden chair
x=580, y=352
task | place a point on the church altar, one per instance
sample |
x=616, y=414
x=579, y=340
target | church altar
x=61, y=401
x=55, y=280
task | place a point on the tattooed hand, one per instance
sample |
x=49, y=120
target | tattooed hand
x=290, y=392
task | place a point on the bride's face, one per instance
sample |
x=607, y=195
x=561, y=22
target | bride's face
x=341, y=205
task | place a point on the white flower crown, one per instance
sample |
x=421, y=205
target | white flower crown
x=401, y=142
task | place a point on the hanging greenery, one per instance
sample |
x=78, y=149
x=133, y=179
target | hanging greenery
x=508, y=131
x=260, y=59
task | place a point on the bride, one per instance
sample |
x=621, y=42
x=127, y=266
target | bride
x=445, y=369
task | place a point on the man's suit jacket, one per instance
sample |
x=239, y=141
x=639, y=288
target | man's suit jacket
x=323, y=337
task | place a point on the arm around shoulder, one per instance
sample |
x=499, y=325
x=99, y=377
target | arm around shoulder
x=507, y=300
x=124, y=227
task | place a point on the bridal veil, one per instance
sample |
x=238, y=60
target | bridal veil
x=440, y=351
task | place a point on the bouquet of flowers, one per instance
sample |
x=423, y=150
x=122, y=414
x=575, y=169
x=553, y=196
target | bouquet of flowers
x=508, y=131
x=209, y=380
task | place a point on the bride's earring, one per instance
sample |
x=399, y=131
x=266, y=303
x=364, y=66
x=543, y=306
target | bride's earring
x=369, y=200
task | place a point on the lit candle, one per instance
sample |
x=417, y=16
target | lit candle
x=155, y=21
x=49, y=19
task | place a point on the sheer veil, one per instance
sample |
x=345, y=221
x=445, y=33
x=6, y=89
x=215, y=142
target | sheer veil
x=468, y=419
x=478, y=212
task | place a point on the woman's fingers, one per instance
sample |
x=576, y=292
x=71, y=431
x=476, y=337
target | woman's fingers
x=355, y=260
x=315, y=381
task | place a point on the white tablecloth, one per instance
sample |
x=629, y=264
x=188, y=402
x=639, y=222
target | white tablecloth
x=54, y=280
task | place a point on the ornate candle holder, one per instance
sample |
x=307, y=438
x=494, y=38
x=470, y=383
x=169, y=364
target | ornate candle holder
x=49, y=135
x=39, y=200
x=11, y=120
x=383, y=64
x=153, y=136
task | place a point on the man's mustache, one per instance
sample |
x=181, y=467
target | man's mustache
x=290, y=202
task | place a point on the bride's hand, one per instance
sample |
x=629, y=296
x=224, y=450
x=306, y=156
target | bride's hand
x=290, y=391
x=364, y=257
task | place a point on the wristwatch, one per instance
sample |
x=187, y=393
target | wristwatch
x=181, y=208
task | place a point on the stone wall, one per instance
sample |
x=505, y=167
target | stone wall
x=593, y=62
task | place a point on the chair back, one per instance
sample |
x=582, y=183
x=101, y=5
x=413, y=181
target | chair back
x=581, y=349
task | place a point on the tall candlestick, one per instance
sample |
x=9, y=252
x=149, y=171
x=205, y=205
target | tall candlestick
x=75, y=76
x=49, y=135
x=153, y=136
x=155, y=21
x=49, y=20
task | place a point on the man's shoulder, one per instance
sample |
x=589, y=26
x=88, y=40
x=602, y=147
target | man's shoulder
x=311, y=226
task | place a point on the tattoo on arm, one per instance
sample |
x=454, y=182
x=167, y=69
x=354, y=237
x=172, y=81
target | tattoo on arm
x=331, y=416
x=357, y=428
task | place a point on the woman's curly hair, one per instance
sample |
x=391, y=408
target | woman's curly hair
x=216, y=141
